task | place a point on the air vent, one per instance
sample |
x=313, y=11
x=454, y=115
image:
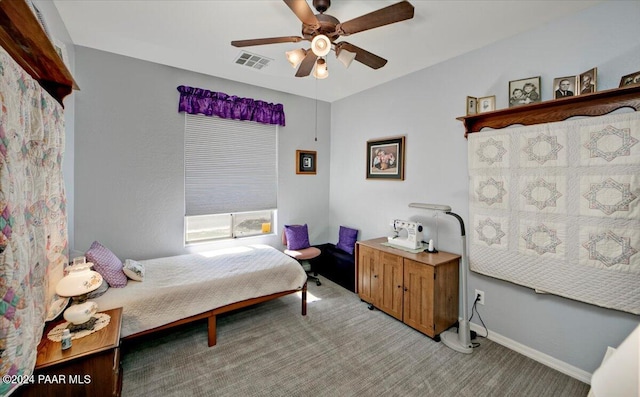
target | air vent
x=253, y=61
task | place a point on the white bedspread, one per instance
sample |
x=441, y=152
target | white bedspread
x=182, y=286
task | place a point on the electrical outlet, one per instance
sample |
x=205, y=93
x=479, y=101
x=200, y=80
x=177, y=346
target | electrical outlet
x=481, y=294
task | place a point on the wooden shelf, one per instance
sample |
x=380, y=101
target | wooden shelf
x=26, y=42
x=596, y=104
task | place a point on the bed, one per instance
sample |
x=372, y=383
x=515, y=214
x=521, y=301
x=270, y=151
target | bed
x=180, y=289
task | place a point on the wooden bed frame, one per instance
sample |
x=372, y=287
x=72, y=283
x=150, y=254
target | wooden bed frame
x=210, y=315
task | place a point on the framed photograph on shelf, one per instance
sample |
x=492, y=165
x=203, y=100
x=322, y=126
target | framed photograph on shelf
x=385, y=158
x=630, y=79
x=306, y=162
x=524, y=91
x=486, y=104
x=564, y=87
x=587, y=81
x=472, y=105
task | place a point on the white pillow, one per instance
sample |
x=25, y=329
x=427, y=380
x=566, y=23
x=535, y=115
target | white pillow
x=134, y=270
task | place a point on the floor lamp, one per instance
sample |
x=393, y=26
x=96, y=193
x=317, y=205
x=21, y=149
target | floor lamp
x=460, y=341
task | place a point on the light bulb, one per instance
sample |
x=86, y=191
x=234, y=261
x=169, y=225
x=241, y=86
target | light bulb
x=321, y=45
x=321, y=71
x=345, y=57
x=296, y=56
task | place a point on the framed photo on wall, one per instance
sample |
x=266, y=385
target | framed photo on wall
x=524, y=91
x=385, y=158
x=564, y=87
x=630, y=79
x=587, y=81
x=487, y=104
x=472, y=105
x=306, y=162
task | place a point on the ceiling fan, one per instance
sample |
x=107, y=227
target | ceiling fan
x=323, y=30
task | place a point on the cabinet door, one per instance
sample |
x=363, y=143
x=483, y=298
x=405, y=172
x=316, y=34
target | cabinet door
x=390, y=292
x=367, y=274
x=419, y=296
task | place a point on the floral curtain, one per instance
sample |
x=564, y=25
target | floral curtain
x=33, y=221
x=210, y=103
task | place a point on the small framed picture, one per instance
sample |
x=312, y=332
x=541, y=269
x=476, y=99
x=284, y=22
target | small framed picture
x=587, y=81
x=472, y=105
x=630, y=79
x=524, y=91
x=305, y=162
x=564, y=87
x=385, y=158
x=486, y=104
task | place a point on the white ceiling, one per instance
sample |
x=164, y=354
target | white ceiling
x=196, y=35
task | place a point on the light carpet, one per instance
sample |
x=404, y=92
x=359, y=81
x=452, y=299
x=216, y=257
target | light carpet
x=339, y=349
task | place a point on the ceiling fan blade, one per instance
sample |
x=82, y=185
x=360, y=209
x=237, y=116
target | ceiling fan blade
x=394, y=13
x=307, y=64
x=303, y=11
x=363, y=56
x=269, y=40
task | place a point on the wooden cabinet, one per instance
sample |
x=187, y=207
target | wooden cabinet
x=90, y=367
x=420, y=290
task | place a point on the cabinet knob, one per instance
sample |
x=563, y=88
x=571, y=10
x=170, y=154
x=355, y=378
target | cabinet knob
x=375, y=276
x=406, y=289
x=399, y=286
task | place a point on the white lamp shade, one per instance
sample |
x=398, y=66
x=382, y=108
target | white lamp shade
x=321, y=45
x=321, y=71
x=345, y=57
x=80, y=313
x=296, y=56
x=79, y=280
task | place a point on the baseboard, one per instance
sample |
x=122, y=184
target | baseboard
x=540, y=357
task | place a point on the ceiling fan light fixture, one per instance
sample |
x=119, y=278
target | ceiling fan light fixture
x=321, y=71
x=296, y=56
x=345, y=57
x=321, y=45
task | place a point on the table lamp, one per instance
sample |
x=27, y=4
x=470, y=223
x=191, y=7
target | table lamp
x=78, y=282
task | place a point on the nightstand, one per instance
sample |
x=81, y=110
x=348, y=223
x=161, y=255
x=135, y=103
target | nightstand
x=90, y=367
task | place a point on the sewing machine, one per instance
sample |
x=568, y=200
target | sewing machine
x=413, y=240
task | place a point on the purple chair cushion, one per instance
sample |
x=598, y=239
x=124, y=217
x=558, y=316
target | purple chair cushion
x=347, y=239
x=107, y=264
x=297, y=236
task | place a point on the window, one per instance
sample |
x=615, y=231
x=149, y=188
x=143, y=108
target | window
x=230, y=178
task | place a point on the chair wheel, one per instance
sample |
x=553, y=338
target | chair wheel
x=318, y=282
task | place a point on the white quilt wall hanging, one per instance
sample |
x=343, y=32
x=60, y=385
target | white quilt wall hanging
x=556, y=207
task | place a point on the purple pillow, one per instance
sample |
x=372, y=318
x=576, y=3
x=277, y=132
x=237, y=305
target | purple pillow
x=297, y=236
x=347, y=239
x=107, y=264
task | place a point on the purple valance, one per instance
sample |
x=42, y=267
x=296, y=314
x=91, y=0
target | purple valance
x=210, y=103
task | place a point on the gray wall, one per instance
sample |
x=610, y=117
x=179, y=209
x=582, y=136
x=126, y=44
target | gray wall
x=424, y=106
x=59, y=31
x=129, y=157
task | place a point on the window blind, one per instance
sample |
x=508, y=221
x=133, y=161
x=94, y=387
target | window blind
x=230, y=166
